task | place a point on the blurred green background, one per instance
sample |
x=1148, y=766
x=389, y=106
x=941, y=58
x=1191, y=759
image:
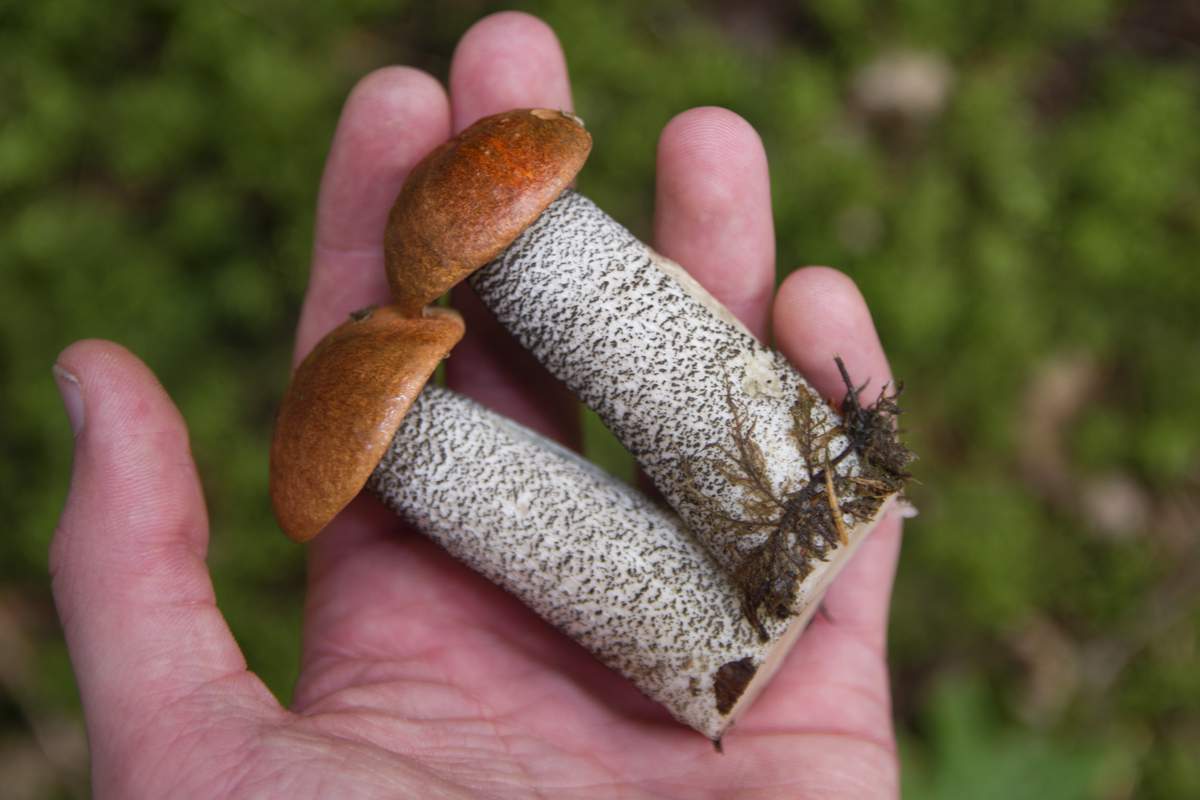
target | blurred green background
x=1015, y=187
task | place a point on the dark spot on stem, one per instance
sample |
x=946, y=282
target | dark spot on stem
x=731, y=680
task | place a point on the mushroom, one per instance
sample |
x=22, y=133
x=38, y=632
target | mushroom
x=773, y=482
x=586, y=552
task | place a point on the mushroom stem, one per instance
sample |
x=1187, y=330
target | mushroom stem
x=738, y=443
x=586, y=552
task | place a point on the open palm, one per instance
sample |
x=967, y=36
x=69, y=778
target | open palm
x=419, y=678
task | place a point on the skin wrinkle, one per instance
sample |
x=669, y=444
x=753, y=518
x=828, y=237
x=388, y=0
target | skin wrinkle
x=424, y=656
x=401, y=707
x=503, y=736
x=443, y=705
x=154, y=561
x=459, y=754
x=349, y=675
x=873, y=712
x=196, y=741
x=158, y=647
x=496, y=719
x=424, y=659
x=882, y=745
x=299, y=728
x=262, y=698
x=244, y=782
x=240, y=775
x=611, y=771
x=152, y=734
x=558, y=787
x=137, y=506
x=420, y=740
x=319, y=659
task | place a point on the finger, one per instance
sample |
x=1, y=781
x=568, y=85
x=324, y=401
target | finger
x=713, y=209
x=127, y=560
x=508, y=60
x=391, y=120
x=818, y=314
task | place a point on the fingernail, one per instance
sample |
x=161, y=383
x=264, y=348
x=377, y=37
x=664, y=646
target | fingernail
x=72, y=397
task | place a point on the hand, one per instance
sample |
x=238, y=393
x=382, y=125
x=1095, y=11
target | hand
x=420, y=679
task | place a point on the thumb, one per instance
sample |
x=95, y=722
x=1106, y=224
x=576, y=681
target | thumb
x=127, y=561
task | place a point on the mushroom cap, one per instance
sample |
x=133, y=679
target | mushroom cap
x=343, y=407
x=472, y=196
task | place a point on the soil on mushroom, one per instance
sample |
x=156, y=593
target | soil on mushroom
x=797, y=526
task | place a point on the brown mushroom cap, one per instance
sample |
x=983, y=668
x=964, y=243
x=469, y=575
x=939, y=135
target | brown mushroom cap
x=343, y=406
x=472, y=196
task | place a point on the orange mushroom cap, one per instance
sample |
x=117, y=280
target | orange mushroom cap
x=343, y=406
x=472, y=196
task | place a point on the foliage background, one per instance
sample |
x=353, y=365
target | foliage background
x=1027, y=236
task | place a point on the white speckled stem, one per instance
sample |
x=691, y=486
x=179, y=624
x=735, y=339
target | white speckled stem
x=585, y=551
x=667, y=368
